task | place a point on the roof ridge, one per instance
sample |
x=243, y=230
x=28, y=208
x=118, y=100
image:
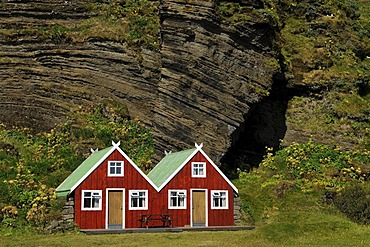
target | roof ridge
x=176, y=152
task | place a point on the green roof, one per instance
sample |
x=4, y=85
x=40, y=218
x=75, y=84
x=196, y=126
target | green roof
x=65, y=188
x=168, y=165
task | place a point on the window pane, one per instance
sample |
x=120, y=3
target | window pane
x=134, y=202
x=87, y=202
x=95, y=202
x=118, y=170
x=111, y=171
x=141, y=202
x=201, y=172
x=181, y=201
x=87, y=194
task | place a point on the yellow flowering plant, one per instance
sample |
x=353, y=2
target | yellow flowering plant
x=315, y=165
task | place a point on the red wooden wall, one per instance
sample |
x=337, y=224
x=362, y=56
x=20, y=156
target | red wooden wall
x=157, y=202
x=212, y=181
x=99, y=180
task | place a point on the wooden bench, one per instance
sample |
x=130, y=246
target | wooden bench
x=164, y=218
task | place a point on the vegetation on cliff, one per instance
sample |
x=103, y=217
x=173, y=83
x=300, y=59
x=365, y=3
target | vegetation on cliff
x=134, y=22
x=130, y=21
x=325, y=57
x=326, y=47
x=31, y=166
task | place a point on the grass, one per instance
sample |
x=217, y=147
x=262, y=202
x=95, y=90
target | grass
x=300, y=229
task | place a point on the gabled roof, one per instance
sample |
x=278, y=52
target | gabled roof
x=65, y=188
x=88, y=166
x=159, y=177
x=172, y=163
x=168, y=165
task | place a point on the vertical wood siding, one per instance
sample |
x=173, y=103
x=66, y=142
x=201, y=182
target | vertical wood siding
x=157, y=202
x=99, y=180
x=212, y=181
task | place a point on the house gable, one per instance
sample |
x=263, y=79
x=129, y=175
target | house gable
x=169, y=166
x=173, y=163
x=82, y=171
x=90, y=165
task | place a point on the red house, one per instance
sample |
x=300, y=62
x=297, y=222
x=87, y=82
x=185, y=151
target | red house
x=185, y=189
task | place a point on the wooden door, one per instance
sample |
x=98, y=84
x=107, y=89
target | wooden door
x=115, y=208
x=198, y=208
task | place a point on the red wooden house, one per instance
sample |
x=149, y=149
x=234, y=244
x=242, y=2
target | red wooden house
x=186, y=188
x=193, y=189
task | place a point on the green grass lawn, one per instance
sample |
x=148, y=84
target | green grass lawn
x=300, y=229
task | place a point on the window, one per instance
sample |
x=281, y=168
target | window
x=177, y=199
x=219, y=199
x=198, y=169
x=115, y=168
x=91, y=199
x=138, y=200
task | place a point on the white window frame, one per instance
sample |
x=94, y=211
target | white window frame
x=146, y=198
x=179, y=193
x=114, y=174
x=193, y=169
x=98, y=193
x=213, y=197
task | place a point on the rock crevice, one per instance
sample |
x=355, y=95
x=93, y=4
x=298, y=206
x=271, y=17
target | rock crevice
x=210, y=77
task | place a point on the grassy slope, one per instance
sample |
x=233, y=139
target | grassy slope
x=283, y=216
x=295, y=218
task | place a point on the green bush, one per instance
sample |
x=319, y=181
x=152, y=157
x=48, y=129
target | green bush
x=353, y=202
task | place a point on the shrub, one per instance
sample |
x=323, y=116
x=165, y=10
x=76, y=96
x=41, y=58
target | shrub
x=353, y=202
x=313, y=165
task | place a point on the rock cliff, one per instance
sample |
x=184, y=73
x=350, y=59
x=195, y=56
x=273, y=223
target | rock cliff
x=211, y=76
x=199, y=87
x=43, y=74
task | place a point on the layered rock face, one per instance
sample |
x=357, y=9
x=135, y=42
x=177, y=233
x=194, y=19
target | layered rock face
x=199, y=87
x=43, y=78
x=211, y=75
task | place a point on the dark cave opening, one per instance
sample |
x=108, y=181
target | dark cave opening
x=264, y=126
